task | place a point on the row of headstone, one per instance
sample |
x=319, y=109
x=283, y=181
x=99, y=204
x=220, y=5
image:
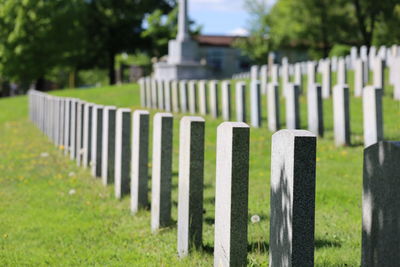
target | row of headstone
x=361, y=62
x=203, y=97
x=293, y=177
x=109, y=129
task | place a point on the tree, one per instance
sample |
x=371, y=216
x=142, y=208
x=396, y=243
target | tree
x=37, y=35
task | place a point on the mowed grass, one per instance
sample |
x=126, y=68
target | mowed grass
x=41, y=223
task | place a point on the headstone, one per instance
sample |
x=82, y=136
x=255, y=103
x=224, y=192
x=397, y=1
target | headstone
x=97, y=140
x=175, y=96
x=326, y=79
x=108, y=145
x=315, y=110
x=273, y=107
x=292, y=107
x=61, y=129
x=264, y=78
x=358, y=77
x=139, y=168
x=378, y=69
x=341, y=74
x=226, y=100
x=87, y=135
x=192, y=96
x=142, y=86
x=214, y=107
x=240, y=101
x=310, y=73
x=203, y=97
x=154, y=94
x=67, y=128
x=292, y=198
x=341, y=114
x=381, y=205
x=231, y=197
x=372, y=115
x=191, y=184
x=183, y=93
x=274, y=73
x=149, y=96
x=161, y=171
x=255, y=99
x=254, y=72
x=79, y=132
x=298, y=77
x=160, y=94
x=167, y=96
x=74, y=105
x=122, y=152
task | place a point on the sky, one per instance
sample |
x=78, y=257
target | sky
x=226, y=17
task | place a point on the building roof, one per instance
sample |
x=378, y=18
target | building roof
x=215, y=40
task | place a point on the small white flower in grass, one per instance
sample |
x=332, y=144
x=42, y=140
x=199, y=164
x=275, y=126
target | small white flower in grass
x=255, y=218
x=44, y=154
x=72, y=192
x=71, y=174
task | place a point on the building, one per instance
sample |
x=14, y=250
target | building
x=221, y=57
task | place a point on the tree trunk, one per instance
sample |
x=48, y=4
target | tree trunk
x=40, y=84
x=111, y=68
x=361, y=18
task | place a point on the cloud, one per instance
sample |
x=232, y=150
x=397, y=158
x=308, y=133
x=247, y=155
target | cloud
x=239, y=32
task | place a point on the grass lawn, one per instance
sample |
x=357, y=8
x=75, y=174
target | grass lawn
x=54, y=213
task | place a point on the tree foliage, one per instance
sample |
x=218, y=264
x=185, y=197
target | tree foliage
x=320, y=25
x=38, y=36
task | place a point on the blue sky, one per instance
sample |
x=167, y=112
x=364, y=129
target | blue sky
x=219, y=16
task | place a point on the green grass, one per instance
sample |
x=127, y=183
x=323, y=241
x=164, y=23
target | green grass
x=42, y=224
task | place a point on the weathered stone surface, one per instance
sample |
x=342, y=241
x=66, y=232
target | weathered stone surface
x=97, y=140
x=372, y=115
x=273, y=107
x=191, y=184
x=381, y=205
x=292, y=107
x=226, y=100
x=264, y=78
x=161, y=171
x=139, y=167
x=255, y=100
x=292, y=198
x=214, y=107
x=231, y=197
x=315, y=110
x=149, y=96
x=108, y=145
x=154, y=93
x=122, y=152
x=240, y=101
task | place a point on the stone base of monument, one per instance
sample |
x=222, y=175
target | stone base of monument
x=180, y=71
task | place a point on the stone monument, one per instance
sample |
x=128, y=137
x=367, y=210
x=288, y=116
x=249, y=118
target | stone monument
x=182, y=62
